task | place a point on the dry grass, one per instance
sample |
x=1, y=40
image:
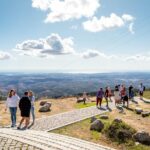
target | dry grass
x=136, y=121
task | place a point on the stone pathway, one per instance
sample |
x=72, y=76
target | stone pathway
x=11, y=139
x=56, y=121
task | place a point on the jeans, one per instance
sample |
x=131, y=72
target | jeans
x=13, y=111
x=32, y=113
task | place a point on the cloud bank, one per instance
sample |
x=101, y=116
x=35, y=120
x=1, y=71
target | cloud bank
x=51, y=45
x=113, y=21
x=63, y=10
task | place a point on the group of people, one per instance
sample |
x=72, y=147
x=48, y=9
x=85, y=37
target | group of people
x=25, y=104
x=121, y=94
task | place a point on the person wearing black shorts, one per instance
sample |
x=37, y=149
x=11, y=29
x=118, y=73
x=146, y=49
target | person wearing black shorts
x=25, y=107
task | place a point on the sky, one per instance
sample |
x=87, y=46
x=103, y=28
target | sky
x=74, y=35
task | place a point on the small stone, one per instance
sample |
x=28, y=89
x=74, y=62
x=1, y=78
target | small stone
x=137, y=143
x=138, y=110
x=145, y=113
x=104, y=117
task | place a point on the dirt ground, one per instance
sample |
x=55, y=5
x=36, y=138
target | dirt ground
x=58, y=106
x=134, y=120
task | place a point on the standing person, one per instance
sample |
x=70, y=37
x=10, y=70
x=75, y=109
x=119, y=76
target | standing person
x=32, y=100
x=25, y=107
x=84, y=97
x=12, y=103
x=123, y=92
x=109, y=94
x=117, y=96
x=99, y=97
x=131, y=92
x=106, y=94
x=141, y=90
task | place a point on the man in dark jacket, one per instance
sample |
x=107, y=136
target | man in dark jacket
x=25, y=107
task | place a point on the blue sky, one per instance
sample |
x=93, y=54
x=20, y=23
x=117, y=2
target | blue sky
x=74, y=35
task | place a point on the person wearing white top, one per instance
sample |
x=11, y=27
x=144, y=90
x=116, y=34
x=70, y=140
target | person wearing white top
x=117, y=95
x=12, y=103
x=32, y=99
x=141, y=90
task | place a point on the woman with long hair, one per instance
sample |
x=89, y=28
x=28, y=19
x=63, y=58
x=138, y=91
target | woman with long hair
x=32, y=100
x=12, y=103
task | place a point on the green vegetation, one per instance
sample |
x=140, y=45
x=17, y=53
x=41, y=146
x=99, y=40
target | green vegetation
x=139, y=147
x=88, y=104
x=81, y=105
x=120, y=132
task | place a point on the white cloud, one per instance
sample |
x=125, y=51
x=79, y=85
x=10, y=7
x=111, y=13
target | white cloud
x=63, y=10
x=127, y=17
x=97, y=25
x=91, y=53
x=41, y=4
x=4, y=55
x=51, y=45
x=138, y=57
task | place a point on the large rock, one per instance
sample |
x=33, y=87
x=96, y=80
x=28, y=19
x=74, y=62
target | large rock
x=142, y=137
x=97, y=125
x=138, y=110
x=80, y=100
x=42, y=103
x=93, y=119
x=104, y=117
x=45, y=108
x=145, y=113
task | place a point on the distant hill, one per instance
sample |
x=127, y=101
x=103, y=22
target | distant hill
x=61, y=84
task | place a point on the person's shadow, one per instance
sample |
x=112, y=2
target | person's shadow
x=109, y=109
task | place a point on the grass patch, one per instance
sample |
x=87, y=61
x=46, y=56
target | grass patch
x=80, y=130
x=88, y=104
x=81, y=105
x=139, y=147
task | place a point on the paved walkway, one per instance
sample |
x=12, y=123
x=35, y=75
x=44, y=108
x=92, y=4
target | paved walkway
x=63, y=119
x=36, y=140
